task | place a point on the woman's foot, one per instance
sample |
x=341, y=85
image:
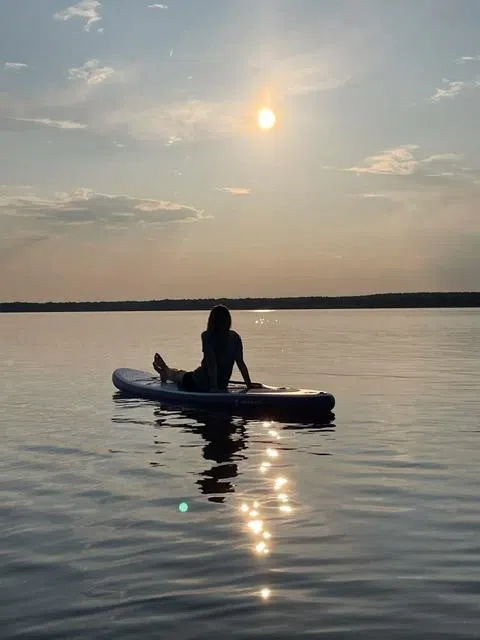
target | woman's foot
x=160, y=361
x=160, y=367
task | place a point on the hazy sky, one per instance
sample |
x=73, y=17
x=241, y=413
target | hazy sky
x=132, y=165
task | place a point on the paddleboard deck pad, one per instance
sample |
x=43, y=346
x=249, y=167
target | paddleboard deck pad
x=142, y=384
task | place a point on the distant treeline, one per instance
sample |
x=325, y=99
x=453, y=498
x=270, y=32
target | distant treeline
x=373, y=301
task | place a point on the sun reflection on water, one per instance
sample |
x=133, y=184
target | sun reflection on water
x=254, y=510
x=256, y=524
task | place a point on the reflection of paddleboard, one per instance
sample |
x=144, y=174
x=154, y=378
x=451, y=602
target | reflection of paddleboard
x=144, y=385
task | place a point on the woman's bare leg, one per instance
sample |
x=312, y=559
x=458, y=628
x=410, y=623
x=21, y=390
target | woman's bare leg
x=166, y=372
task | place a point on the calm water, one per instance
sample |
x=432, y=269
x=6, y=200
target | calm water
x=374, y=521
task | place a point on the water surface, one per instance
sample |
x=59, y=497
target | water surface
x=365, y=527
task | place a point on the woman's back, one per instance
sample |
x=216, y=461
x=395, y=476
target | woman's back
x=226, y=350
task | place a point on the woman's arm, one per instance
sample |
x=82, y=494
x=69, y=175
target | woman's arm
x=242, y=367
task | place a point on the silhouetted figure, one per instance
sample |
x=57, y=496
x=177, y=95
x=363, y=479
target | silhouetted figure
x=222, y=348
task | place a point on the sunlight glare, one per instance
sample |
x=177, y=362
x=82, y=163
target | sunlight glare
x=286, y=508
x=266, y=118
x=256, y=526
x=265, y=593
x=261, y=547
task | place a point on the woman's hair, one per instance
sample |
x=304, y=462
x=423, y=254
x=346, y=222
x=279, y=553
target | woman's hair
x=219, y=323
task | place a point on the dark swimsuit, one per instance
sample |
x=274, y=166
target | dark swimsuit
x=188, y=382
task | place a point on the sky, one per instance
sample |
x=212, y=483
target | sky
x=132, y=164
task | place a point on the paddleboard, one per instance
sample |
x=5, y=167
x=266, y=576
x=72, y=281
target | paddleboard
x=142, y=384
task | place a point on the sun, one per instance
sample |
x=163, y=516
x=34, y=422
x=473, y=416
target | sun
x=266, y=118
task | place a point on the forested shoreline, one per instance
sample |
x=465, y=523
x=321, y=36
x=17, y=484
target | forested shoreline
x=372, y=301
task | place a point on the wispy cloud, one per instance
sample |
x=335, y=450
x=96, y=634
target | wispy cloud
x=304, y=74
x=397, y=161
x=84, y=206
x=87, y=10
x=402, y=161
x=157, y=6
x=465, y=59
x=5, y=188
x=450, y=89
x=235, y=191
x=57, y=124
x=91, y=72
x=15, y=66
x=189, y=120
x=442, y=157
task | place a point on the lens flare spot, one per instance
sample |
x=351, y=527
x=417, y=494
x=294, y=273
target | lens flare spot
x=267, y=535
x=280, y=482
x=253, y=513
x=282, y=497
x=260, y=547
x=265, y=593
x=265, y=466
x=272, y=453
x=183, y=507
x=244, y=508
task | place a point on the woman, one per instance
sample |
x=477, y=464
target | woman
x=222, y=348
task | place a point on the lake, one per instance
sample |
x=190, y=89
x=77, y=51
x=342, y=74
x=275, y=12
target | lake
x=123, y=519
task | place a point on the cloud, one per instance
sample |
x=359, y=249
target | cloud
x=88, y=10
x=91, y=72
x=189, y=120
x=309, y=73
x=235, y=191
x=398, y=161
x=401, y=161
x=465, y=59
x=15, y=187
x=84, y=206
x=450, y=90
x=443, y=157
x=302, y=74
x=15, y=66
x=157, y=6
x=57, y=124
